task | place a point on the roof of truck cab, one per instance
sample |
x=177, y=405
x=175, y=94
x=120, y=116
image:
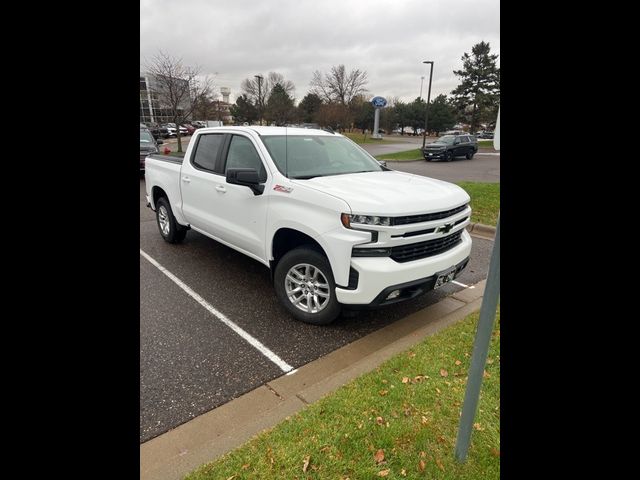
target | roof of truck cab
x=266, y=131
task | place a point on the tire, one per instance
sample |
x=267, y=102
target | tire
x=169, y=228
x=470, y=154
x=293, y=265
x=448, y=156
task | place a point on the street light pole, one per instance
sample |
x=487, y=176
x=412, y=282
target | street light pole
x=421, y=80
x=426, y=115
x=259, y=96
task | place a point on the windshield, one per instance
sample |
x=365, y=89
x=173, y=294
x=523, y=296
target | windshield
x=308, y=156
x=145, y=137
x=448, y=139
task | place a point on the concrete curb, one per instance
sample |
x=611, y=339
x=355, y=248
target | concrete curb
x=480, y=230
x=172, y=455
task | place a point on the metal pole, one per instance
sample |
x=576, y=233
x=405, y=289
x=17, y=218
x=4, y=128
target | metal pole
x=421, y=82
x=426, y=115
x=259, y=97
x=480, y=350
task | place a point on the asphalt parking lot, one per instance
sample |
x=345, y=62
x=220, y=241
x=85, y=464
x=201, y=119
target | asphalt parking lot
x=191, y=362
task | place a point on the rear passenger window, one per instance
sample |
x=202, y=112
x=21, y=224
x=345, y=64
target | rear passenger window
x=207, y=151
x=465, y=139
x=242, y=154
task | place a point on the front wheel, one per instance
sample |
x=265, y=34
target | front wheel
x=448, y=156
x=305, y=286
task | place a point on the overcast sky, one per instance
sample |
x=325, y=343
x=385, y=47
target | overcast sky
x=234, y=40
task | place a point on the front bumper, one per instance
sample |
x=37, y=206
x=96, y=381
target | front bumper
x=434, y=155
x=377, y=275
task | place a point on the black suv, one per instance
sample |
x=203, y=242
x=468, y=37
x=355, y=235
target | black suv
x=450, y=146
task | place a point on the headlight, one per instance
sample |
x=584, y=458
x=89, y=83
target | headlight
x=348, y=219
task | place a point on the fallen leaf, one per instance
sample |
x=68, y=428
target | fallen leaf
x=245, y=466
x=421, y=465
x=387, y=424
x=411, y=354
x=403, y=472
x=306, y=463
x=478, y=427
x=489, y=361
x=383, y=392
x=425, y=420
x=384, y=473
x=438, y=390
x=423, y=454
x=458, y=362
x=443, y=372
x=385, y=381
x=379, y=456
x=379, y=420
x=439, y=463
x=405, y=379
x=495, y=452
x=232, y=477
x=486, y=374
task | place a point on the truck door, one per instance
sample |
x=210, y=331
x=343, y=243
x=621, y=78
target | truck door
x=242, y=215
x=199, y=177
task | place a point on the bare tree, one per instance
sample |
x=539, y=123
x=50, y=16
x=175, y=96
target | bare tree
x=260, y=91
x=338, y=85
x=180, y=89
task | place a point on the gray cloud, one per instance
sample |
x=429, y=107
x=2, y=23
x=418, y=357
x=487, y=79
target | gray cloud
x=389, y=39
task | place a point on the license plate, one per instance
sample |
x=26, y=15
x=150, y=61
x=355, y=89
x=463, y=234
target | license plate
x=431, y=154
x=444, y=278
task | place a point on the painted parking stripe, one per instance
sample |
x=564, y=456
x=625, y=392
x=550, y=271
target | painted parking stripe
x=462, y=284
x=254, y=342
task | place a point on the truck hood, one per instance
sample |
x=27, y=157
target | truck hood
x=390, y=193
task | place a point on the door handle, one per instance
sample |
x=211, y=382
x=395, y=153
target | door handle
x=186, y=179
x=221, y=188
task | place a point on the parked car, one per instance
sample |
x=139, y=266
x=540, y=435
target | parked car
x=335, y=227
x=488, y=135
x=190, y=128
x=171, y=128
x=448, y=147
x=148, y=145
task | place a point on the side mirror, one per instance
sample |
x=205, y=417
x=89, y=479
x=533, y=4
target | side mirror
x=382, y=163
x=247, y=177
x=159, y=142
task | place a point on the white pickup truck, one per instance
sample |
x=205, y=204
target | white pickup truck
x=334, y=225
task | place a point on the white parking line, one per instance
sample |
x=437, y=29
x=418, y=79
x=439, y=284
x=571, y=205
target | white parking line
x=462, y=284
x=284, y=366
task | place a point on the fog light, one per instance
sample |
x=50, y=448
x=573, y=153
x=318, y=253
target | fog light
x=393, y=294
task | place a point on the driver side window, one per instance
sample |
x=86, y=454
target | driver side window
x=242, y=154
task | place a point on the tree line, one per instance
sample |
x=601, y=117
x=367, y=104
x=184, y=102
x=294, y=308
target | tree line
x=339, y=99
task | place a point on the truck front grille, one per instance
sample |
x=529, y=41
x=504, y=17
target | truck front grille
x=426, y=217
x=416, y=251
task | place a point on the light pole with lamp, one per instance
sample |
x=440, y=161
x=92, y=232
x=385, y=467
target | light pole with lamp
x=421, y=80
x=259, y=96
x=426, y=115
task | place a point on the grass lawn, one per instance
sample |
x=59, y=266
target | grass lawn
x=485, y=201
x=407, y=155
x=359, y=138
x=485, y=143
x=399, y=421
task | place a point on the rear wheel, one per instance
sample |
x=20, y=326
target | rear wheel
x=470, y=154
x=305, y=286
x=170, y=229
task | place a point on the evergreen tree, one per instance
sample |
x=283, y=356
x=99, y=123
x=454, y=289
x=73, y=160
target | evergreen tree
x=477, y=96
x=280, y=109
x=243, y=111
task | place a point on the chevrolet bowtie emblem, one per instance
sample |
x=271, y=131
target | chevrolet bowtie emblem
x=446, y=228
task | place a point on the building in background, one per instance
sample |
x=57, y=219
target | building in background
x=152, y=109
